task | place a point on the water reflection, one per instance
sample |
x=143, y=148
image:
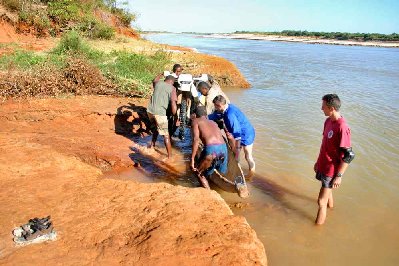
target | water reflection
x=280, y=195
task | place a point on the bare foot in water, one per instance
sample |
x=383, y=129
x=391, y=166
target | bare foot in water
x=250, y=174
x=204, y=182
x=167, y=159
x=150, y=150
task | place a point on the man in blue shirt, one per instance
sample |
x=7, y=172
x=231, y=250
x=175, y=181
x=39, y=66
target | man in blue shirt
x=238, y=129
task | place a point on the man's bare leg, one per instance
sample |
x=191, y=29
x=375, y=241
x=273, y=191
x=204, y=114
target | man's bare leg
x=168, y=146
x=330, y=203
x=203, y=181
x=324, y=195
x=154, y=139
x=249, y=159
x=203, y=165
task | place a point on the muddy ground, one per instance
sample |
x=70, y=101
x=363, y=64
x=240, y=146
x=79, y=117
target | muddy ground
x=53, y=153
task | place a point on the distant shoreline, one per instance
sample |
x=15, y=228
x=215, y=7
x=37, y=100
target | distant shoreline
x=311, y=40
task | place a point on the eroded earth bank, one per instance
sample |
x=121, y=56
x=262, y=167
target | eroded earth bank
x=53, y=153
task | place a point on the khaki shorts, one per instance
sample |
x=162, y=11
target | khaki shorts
x=160, y=123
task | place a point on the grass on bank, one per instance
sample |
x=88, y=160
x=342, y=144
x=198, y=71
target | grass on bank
x=75, y=67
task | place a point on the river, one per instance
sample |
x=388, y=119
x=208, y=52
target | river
x=288, y=81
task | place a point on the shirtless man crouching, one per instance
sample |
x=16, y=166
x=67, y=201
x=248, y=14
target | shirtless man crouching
x=214, y=153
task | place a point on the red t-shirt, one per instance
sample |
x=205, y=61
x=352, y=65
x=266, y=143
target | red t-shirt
x=336, y=134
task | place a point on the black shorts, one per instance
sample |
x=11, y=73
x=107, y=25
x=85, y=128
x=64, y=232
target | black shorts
x=326, y=181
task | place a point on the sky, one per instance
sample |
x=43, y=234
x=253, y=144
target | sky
x=216, y=16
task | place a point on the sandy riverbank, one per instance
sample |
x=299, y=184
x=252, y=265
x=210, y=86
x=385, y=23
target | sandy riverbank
x=303, y=40
x=52, y=156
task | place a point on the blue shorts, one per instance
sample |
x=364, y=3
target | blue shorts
x=219, y=153
x=326, y=181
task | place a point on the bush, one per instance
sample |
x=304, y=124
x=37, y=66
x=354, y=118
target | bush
x=86, y=26
x=41, y=22
x=12, y=5
x=83, y=78
x=94, y=29
x=71, y=42
x=29, y=84
x=63, y=11
x=38, y=19
x=103, y=31
x=77, y=77
x=125, y=16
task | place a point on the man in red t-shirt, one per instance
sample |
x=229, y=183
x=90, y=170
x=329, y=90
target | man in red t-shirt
x=335, y=154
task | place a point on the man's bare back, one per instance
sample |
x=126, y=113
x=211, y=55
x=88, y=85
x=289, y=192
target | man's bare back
x=208, y=131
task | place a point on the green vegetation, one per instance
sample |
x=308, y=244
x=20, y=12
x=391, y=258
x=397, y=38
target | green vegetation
x=135, y=71
x=21, y=59
x=331, y=35
x=95, y=29
x=71, y=42
x=56, y=16
x=62, y=11
x=75, y=67
x=125, y=16
x=12, y=45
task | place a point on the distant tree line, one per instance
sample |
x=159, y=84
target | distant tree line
x=330, y=35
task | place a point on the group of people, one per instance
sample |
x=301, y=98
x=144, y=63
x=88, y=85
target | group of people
x=211, y=105
x=213, y=112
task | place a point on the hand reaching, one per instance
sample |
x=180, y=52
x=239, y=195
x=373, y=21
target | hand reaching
x=193, y=167
x=337, y=181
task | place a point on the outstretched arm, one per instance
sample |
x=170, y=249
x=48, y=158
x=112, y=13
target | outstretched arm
x=156, y=79
x=195, y=132
x=234, y=127
x=235, y=144
x=173, y=101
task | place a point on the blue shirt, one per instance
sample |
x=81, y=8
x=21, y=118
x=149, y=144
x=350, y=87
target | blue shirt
x=237, y=124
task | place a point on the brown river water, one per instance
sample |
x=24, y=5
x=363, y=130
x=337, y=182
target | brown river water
x=288, y=81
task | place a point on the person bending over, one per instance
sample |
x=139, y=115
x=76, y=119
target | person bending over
x=238, y=129
x=214, y=153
